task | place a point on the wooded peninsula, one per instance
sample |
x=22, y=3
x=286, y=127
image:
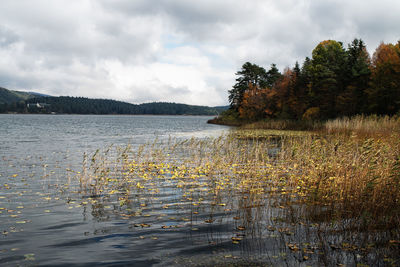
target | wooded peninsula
x=334, y=82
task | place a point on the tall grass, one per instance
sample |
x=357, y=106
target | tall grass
x=340, y=184
x=364, y=125
x=338, y=178
x=279, y=124
x=360, y=124
x=347, y=180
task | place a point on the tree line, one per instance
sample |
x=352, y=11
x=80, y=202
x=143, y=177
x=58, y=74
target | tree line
x=334, y=82
x=82, y=105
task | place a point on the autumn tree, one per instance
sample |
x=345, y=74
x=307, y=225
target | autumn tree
x=334, y=82
x=253, y=103
x=249, y=74
x=259, y=95
x=259, y=103
x=284, y=90
x=292, y=93
x=384, y=91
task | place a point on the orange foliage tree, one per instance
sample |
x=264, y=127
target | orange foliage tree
x=384, y=92
x=334, y=82
x=258, y=103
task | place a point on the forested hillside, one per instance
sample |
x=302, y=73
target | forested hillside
x=9, y=96
x=81, y=105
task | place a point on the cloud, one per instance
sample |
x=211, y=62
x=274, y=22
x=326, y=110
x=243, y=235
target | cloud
x=171, y=50
x=7, y=37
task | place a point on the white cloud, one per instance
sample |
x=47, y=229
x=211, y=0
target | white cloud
x=171, y=50
x=182, y=75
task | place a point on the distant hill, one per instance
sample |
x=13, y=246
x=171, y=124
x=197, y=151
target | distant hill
x=38, y=94
x=22, y=102
x=9, y=96
x=177, y=109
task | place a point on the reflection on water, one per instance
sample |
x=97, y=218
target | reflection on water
x=62, y=202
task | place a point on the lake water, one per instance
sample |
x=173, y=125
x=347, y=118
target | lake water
x=46, y=218
x=35, y=153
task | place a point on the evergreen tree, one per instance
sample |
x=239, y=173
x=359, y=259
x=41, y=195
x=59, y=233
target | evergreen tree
x=250, y=73
x=327, y=76
x=297, y=94
x=273, y=75
x=352, y=100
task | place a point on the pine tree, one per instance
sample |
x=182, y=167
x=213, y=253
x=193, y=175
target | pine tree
x=250, y=73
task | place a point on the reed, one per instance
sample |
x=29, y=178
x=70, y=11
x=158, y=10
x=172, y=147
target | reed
x=349, y=179
x=364, y=125
x=280, y=124
x=338, y=187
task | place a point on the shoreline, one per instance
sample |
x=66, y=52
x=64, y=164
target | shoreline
x=182, y=115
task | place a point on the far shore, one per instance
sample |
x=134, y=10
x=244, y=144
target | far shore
x=183, y=115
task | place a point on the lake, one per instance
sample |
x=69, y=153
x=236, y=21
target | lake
x=36, y=151
x=77, y=190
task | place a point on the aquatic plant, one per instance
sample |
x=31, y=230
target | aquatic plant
x=339, y=191
x=254, y=196
x=364, y=125
x=345, y=177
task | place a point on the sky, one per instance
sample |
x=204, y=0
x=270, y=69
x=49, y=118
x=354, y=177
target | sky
x=181, y=51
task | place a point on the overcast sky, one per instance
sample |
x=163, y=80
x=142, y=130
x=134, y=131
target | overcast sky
x=171, y=50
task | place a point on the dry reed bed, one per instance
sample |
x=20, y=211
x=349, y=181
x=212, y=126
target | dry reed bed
x=352, y=178
x=342, y=186
x=340, y=177
x=364, y=125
